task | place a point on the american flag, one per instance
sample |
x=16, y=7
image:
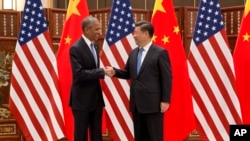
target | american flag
x=215, y=101
x=34, y=97
x=117, y=45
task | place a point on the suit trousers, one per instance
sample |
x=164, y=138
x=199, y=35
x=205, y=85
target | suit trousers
x=148, y=127
x=84, y=120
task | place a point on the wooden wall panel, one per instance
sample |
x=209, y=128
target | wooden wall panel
x=190, y=14
x=232, y=18
x=103, y=16
x=56, y=18
x=9, y=23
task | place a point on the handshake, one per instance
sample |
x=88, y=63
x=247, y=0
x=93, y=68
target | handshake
x=109, y=71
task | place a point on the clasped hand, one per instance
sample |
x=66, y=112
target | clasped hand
x=109, y=71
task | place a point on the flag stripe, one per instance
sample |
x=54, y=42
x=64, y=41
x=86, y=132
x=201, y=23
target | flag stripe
x=121, y=85
x=216, y=87
x=35, y=83
x=207, y=106
x=42, y=74
x=34, y=97
x=204, y=123
x=118, y=97
x=48, y=72
x=212, y=75
x=118, y=57
x=35, y=77
x=229, y=92
x=118, y=114
x=127, y=44
x=117, y=44
x=221, y=81
x=112, y=128
x=21, y=108
x=32, y=108
x=123, y=107
x=24, y=110
x=51, y=89
x=119, y=109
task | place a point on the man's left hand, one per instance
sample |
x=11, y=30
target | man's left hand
x=164, y=106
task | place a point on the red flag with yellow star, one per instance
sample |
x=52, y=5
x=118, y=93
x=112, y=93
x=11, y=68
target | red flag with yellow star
x=179, y=119
x=77, y=10
x=241, y=58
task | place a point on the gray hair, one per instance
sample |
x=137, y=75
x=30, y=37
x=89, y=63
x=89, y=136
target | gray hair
x=87, y=22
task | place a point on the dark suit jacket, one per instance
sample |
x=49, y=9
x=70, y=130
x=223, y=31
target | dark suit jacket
x=86, y=93
x=153, y=83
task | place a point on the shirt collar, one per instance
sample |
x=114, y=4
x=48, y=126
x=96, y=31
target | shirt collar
x=146, y=48
x=86, y=40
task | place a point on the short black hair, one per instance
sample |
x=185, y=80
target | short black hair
x=146, y=26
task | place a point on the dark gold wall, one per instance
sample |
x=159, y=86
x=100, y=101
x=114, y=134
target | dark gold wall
x=146, y=4
x=223, y=3
x=149, y=4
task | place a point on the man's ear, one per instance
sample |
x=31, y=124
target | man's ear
x=146, y=33
x=86, y=29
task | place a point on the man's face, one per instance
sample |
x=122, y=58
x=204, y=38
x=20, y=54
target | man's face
x=93, y=32
x=139, y=36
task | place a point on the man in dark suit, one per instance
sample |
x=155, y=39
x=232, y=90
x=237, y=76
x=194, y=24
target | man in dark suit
x=151, y=82
x=86, y=98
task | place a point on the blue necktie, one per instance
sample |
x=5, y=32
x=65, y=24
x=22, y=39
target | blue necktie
x=139, y=57
x=92, y=46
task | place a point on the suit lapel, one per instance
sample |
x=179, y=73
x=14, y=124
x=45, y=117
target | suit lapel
x=88, y=52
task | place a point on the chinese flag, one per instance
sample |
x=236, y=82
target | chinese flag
x=241, y=58
x=77, y=10
x=179, y=120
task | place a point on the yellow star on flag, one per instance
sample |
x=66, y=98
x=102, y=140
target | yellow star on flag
x=247, y=8
x=158, y=7
x=73, y=8
x=67, y=40
x=176, y=29
x=154, y=38
x=246, y=37
x=165, y=39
